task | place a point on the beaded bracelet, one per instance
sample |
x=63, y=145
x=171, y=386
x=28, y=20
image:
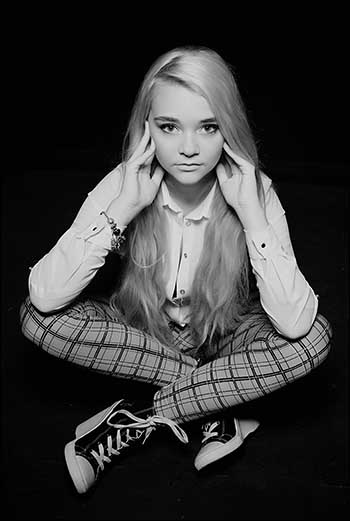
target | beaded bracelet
x=117, y=235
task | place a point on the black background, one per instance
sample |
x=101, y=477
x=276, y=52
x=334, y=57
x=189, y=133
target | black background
x=74, y=73
x=77, y=80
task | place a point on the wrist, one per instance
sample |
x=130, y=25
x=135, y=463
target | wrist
x=118, y=237
x=254, y=220
x=121, y=212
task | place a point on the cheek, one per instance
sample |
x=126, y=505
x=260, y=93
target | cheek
x=164, y=150
x=215, y=150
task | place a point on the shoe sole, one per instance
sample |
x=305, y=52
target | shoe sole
x=246, y=427
x=73, y=467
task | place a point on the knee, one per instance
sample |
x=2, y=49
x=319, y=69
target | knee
x=35, y=325
x=24, y=314
x=314, y=347
x=320, y=337
x=29, y=318
x=311, y=349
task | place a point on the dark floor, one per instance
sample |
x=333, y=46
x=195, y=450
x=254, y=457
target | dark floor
x=295, y=466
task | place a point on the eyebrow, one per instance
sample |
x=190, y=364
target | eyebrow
x=175, y=120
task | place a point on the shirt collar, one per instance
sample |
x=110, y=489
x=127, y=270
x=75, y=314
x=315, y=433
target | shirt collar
x=202, y=210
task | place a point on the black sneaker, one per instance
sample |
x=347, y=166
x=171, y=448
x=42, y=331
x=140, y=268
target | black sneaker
x=107, y=434
x=222, y=437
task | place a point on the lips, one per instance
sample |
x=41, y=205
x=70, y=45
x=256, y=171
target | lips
x=188, y=164
x=188, y=167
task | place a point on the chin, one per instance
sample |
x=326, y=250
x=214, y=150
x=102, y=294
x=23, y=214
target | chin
x=188, y=177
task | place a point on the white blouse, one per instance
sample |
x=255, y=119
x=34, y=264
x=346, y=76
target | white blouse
x=61, y=275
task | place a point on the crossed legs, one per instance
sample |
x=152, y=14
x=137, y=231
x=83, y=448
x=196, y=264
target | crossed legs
x=250, y=362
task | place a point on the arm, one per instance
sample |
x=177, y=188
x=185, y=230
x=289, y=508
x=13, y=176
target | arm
x=285, y=295
x=61, y=275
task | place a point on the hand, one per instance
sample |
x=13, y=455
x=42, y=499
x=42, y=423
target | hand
x=139, y=188
x=239, y=188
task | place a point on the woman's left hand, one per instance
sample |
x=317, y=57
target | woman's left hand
x=239, y=188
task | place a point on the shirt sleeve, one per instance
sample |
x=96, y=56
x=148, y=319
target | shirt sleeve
x=62, y=274
x=285, y=294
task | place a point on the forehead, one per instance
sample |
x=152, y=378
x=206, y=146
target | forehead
x=179, y=102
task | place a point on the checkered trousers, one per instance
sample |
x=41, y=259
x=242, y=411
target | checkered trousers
x=250, y=362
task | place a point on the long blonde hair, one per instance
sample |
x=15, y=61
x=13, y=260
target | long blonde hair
x=220, y=293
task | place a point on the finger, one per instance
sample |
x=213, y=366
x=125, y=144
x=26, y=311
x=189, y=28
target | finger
x=221, y=173
x=146, y=158
x=231, y=166
x=143, y=143
x=158, y=175
x=231, y=153
x=239, y=161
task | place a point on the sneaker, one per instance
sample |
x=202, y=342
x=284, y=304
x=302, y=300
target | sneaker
x=221, y=438
x=106, y=435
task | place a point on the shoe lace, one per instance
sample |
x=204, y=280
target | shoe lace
x=140, y=426
x=209, y=430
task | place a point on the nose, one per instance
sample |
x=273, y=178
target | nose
x=188, y=145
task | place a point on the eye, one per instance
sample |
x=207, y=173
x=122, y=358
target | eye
x=211, y=128
x=168, y=128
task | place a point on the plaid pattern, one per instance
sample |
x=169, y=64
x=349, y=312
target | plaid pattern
x=250, y=362
x=88, y=334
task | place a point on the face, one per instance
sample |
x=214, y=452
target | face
x=186, y=134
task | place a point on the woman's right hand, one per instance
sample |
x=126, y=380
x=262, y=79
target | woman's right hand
x=138, y=189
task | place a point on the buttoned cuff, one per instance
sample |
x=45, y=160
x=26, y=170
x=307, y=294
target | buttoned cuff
x=263, y=244
x=99, y=232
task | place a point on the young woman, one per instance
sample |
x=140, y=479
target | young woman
x=209, y=303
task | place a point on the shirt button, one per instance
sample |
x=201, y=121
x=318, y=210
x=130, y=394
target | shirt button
x=185, y=255
x=182, y=291
x=263, y=245
x=188, y=223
